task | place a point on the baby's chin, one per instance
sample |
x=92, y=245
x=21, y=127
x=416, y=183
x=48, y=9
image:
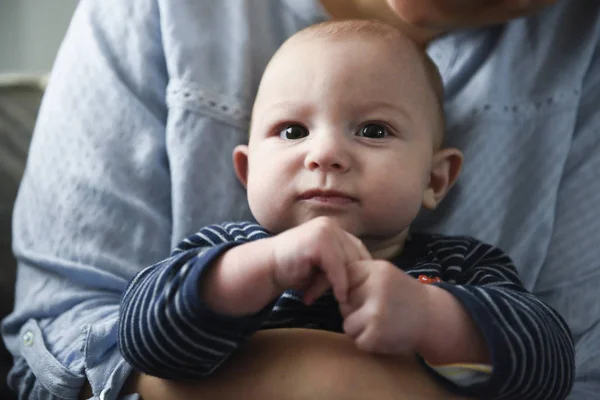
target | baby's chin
x=279, y=225
x=383, y=241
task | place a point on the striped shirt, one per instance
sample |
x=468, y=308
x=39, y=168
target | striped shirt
x=166, y=330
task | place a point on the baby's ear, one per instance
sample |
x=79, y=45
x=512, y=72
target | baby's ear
x=445, y=167
x=240, y=163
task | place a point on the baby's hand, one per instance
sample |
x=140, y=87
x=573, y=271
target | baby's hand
x=387, y=310
x=314, y=257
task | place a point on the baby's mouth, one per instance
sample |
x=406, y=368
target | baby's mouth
x=329, y=197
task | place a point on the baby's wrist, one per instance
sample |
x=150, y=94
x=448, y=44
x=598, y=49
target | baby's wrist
x=427, y=344
x=449, y=334
x=239, y=281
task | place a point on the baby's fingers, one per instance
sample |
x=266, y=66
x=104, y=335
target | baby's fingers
x=355, y=324
x=334, y=267
x=317, y=287
x=357, y=249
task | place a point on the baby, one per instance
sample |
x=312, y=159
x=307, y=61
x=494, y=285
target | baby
x=345, y=149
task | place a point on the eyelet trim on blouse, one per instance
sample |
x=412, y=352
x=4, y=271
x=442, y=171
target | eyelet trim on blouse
x=224, y=108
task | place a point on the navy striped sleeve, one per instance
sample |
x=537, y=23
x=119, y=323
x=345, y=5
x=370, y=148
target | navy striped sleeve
x=165, y=329
x=531, y=346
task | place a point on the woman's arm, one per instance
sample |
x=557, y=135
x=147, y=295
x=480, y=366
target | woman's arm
x=570, y=276
x=94, y=203
x=325, y=366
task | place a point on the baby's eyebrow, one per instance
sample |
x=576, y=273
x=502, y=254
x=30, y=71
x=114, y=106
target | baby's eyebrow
x=299, y=109
x=376, y=105
x=290, y=105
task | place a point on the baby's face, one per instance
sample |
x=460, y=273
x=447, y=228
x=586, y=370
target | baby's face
x=341, y=128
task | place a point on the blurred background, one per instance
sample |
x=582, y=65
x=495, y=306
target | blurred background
x=30, y=34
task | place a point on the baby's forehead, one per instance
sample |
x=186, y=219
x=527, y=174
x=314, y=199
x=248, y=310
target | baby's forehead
x=314, y=53
x=347, y=66
x=394, y=48
x=349, y=53
x=389, y=52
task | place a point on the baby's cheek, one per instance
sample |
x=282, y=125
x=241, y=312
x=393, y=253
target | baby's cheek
x=402, y=202
x=266, y=202
x=257, y=196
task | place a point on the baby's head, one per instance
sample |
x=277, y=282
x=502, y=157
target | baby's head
x=347, y=123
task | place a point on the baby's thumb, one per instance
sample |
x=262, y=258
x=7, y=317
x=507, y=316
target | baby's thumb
x=316, y=288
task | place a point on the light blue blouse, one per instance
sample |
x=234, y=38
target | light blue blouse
x=148, y=97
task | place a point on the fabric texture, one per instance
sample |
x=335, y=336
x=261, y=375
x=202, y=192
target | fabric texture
x=166, y=330
x=19, y=102
x=147, y=99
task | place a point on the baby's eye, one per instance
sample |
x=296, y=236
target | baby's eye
x=373, y=131
x=293, y=132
